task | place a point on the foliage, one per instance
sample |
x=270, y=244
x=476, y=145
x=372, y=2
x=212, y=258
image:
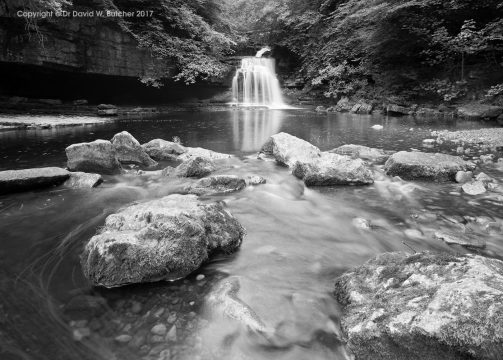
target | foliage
x=191, y=33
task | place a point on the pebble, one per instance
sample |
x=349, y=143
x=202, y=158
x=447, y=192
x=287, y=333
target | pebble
x=171, y=336
x=124, y=338
x=159, y=329
x=377, y=127
x=159, y=312
x=463, y=176
x=192, y=303
x=136, y=307
x=199, y=277
x=171, y=318
x=81, y=333
x=157, y=339
x=361, y=223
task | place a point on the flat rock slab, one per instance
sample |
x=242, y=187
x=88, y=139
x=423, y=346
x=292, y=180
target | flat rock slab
x=218, y=184
x=98, y=156
x=29, y=179
x=82, y=180
x=363, y=152
x=464, y=240
x=164, y=239
x=333, y=169
x=423, y=306
x=426, y=166
x=287, y=149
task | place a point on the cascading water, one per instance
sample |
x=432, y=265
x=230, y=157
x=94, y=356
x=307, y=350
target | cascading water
x=256, y=84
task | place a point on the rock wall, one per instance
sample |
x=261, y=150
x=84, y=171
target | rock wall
x=87, y=45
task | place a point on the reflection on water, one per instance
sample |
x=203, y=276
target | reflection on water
x=298, y=241
x=251, y=129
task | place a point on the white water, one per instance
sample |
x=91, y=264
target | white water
x=256, y=84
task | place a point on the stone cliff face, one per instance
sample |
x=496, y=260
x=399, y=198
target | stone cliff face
x=88, y=45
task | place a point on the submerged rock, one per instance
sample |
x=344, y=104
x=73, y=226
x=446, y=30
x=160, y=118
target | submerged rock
x=129, y=150
x=82, y=180
x=218, y=184
x=423, y=306
x=29, y=179
x=159, y=149
x=98, y=156
x=460, y=239
x=255, y=180
x=287, y=149
x=333, y=169
x=164, y=239
x=197, y=167
x=363, y=152
x=224, y=301
x=425, y=166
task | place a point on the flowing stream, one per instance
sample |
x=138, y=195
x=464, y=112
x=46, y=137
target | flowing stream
x=298, y=241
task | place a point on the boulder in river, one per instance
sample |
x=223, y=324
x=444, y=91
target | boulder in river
x=287, y=149
x=425, y=166
x=461, y=239
x=129, y=150
x=423, y=306
x=463, y=176
x=163, y=239
x=159, y=149
x=191, y=152
x=254, y=180
x=362, y=108
x=196, y=167
x=474, y=188
x=217, y=184
x=98, y=156
x=29, y=179
x=333, y=169
x=82, y=180
x=363, y=152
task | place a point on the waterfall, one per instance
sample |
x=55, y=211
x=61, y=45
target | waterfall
x=256, y=84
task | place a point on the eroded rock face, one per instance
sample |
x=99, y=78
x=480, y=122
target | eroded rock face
x=159, y=149
x=287, y=149
x=363, y=152
x=218, y=184
x=82, y=180
x=164, y=239
x=426, y=166
x=333, y=169
x=29, y=179
x=480, y=111
x=423, y=306
x=98, y=156
x=129, y=150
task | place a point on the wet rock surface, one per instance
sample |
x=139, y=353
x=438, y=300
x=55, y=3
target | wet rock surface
x=82, y=180
x=363, y=152
x=129, y=150
x=191, y=152
x=426, y=166
x=287, y=149
x=30, y=179
x=196, y=167
x=218, y=184
x=163, y=239
x=333, y=169
x=423, y=306
x=159, y=149
x=98, y=156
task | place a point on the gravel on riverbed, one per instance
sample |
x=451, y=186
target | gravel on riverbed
x=492, y=137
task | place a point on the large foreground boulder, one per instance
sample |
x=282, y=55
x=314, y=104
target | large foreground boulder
x=363, y=152
x=333, y=169
x=423, y=306
x=129, y=150
x=29, y=179
x=98, y=156
x=287, y=149
x=159, y=149
x=426, y=166
x=218, y=184
x=164, y=239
